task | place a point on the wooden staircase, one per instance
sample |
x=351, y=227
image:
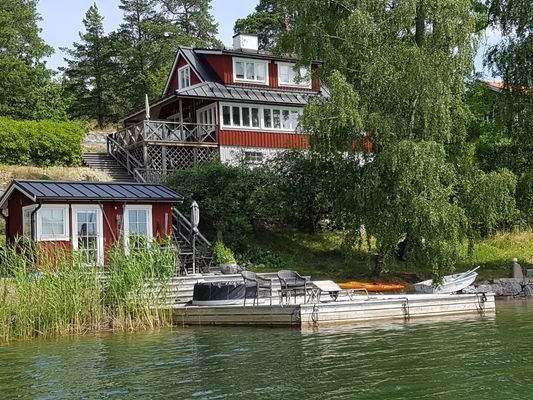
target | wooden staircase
x=106, y=163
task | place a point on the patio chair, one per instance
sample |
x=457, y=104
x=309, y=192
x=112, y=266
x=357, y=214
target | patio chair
x=293, y=282
x=255, y=285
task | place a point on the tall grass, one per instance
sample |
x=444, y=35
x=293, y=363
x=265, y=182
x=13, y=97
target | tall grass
x=60, y=295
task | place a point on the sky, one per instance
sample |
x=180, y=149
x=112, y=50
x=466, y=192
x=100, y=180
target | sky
x=62, y=21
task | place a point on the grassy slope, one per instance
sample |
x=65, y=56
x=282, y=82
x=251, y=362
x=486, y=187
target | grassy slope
x=321, y=256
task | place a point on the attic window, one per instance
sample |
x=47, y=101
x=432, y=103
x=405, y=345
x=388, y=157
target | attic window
x=184, y=75
x=291, y=76
x=250, y=71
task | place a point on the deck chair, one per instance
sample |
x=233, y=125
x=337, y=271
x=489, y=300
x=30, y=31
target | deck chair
x=293, y=281
x=255, y=285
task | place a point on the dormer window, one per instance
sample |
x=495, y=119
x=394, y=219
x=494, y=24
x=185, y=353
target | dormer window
x=254, y=71
x=288, y=75
x=184, y=75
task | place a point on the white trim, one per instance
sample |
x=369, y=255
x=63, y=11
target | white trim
x=149, y=224
x=32, y=223
x=294, y=85
x=261, y=127
x=99, y=228
x=186, y=67
x=174, y=65
x=5, y=197
x=250, y=60
x=66, y=225
x=212, y=106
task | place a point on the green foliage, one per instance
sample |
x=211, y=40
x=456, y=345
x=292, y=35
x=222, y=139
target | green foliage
x=270, y=19
x=27, y=90
x=233, y=199
x=524, y=195
x=40, y=142
x=222, y=254
x=90, y=72
x=304, y=181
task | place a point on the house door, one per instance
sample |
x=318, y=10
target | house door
x=88, y=236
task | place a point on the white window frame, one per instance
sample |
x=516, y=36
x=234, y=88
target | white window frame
x=301, y=84
x=66, y=224
x=99, y=228
x=202, y=110
x=261, y=126
x=29, y=209
x=186, y=69
x=255, y=62
x=126, y=219
x=253, y=157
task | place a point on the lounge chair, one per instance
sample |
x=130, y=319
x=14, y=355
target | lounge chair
x=334, y=290
x=292, y=283
x=255, y=285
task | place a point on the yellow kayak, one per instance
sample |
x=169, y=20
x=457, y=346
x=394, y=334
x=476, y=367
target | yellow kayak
x=373, y=287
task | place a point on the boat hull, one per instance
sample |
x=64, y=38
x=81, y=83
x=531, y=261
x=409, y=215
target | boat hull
x=451, y=284
x=372, y=287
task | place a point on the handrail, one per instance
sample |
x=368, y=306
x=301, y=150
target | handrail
x=187, y=224
x=154, y=130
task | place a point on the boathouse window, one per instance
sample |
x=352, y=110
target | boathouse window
x=137, y=226
x=288, y=75
x=246, y=116
x=184, y=74
x=250, y=70
x=26, y=220
x=52, y=223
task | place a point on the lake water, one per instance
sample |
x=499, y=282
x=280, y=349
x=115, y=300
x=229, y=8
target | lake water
x=458, y=358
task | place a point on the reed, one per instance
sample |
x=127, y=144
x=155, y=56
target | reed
x=59, y=295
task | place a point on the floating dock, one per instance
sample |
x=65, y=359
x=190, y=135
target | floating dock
x=342, y=311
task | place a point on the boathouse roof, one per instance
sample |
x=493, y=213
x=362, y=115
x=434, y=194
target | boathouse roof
x=91, y=191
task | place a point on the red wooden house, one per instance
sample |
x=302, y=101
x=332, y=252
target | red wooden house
x=231, y=103
x=89, y=217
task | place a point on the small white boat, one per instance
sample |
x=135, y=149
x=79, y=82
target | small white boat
x=450, y=283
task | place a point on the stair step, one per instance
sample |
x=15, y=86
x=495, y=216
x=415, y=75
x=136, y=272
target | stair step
x=104, y=162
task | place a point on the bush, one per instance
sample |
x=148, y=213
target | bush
x=222, y=254
x=524, y=196
x=42, y=143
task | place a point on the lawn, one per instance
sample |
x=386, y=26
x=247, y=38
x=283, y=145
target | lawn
x=322, y=256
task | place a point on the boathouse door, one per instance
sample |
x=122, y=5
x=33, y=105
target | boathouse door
x=88, y=234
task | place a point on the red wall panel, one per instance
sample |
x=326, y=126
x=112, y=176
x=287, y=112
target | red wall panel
x=263, y=139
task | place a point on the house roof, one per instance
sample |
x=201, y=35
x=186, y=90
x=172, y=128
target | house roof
x=91, y=191
x=210, y=90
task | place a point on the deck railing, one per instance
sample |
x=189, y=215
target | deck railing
x=165, y=131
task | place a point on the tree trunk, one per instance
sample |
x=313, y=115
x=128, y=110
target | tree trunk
x=420, y=24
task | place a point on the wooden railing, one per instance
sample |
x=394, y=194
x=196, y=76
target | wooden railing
x=153, y=131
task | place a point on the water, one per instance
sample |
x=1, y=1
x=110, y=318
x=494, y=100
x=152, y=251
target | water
x=466, y=357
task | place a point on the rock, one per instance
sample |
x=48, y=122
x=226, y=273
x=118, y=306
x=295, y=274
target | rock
x=484, y=288
x=470, y=289
x=511, y=288
x=497, y=289
x=528, y=290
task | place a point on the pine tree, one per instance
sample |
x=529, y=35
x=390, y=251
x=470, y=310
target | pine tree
x=192, y=23
x=21, y=59
x=270, y=20
x=89, y=72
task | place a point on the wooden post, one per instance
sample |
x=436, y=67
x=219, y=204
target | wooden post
x=181, y=118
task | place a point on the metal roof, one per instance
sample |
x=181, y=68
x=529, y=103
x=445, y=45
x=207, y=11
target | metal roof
x=100, y=191
x=218, y=91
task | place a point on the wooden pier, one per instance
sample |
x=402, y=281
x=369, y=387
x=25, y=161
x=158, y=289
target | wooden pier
x=361, y=308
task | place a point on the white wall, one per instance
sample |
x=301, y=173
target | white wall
x=235, y=154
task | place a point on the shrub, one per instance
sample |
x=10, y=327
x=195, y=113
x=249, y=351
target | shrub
x=40, y=142
x=222, y=254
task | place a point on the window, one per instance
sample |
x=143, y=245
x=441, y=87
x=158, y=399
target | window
x=253, y=157
x=184, y=75
x=255, y=117
x=207, y=115
x=250, y=70
x=137, y=226
x=87, y=234
x=26, y=220
x=52, y=223
x=289, y=76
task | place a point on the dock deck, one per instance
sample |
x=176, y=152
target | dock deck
x=342, y=311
